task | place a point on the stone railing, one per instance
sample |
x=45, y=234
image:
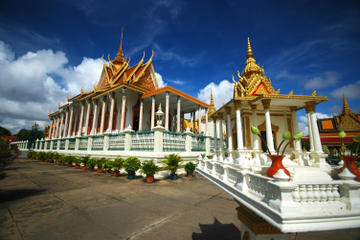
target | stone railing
x=174, y=142
x=142, y=141
x=157, y=140
x=317, y=203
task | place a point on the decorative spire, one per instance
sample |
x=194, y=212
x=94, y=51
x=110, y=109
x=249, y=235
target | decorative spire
x=120, y=55
x=212, y=108
x=249, y=53
x=346, y=108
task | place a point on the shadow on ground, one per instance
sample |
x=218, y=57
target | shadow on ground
x=217, y=230
x=12, y=195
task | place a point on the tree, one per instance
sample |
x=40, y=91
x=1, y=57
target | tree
x=4, y=132
x=30, y=135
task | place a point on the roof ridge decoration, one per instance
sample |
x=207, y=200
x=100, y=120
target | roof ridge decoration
x=212, y=108
x=252, y=81
x=349, y=120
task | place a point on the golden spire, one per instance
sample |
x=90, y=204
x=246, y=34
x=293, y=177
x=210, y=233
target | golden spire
x=211, y=99
x=249, y=53
x=120, y=55
x=346, y=108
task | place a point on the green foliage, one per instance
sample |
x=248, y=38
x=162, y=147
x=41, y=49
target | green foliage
x=100, y=162
x=299, y=135
x=84, y=160
x=325, y=149
x=132, y=164
x=190, y=168
x=106, y=166
x=255, y=130
x=30, y=135
x=286, y=135
x=31, y=154
x=118, y=163
x=91, y=163
x=5, y=152
x=149, y=168
x=172, y=162
x=342, y=134
x=4, y=132
x=77, y=160
x=70, y=159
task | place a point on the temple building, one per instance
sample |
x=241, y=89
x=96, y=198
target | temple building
x=255, y=102
x=346, y=121
x=127, y=100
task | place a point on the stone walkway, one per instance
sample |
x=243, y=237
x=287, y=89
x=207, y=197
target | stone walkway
x=43, y=201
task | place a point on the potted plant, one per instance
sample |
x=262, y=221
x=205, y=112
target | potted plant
x=149, y=168
x=116, y=165
x=276, y=159
x=131, y=165
x=106, y=166
x=56, y=157
x=83, y=162
x=349, y=156
x=190, y=168
x=99, y=164
x=91, y=163
x=76, y=162
x=172, y=163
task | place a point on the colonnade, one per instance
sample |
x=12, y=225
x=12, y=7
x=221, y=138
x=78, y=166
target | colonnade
x=74, y=120
x=224, y=118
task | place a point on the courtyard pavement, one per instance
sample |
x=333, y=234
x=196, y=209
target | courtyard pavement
x=40, y=200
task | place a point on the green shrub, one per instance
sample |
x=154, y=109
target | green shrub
x=100, y=162
x=31, y=154
x=106, y=166
x=118, y=163
x=149, y=168
x=84, y=160
x=172, y=162
x=131, y=165
x=91, y=163
x=190, y=168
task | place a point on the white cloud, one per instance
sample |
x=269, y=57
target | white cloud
x=285, y=74
x=351, y=91
x=330, y=79
x=177, y=82
x=28, y=89
x=160, y=80
x=222, y=92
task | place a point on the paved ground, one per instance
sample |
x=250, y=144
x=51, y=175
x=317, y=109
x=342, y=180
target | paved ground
x=44, y=201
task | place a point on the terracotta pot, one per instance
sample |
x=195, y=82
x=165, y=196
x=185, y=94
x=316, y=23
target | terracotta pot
x=62, y=164
x=349, y=163
x=149, y=179
x=276, y=165
x=84, y=168
x=69, y=165
x=115, y=174
x=99, y=170
x=77, y=166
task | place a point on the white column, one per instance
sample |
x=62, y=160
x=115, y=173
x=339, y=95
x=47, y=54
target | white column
x=192, y=121
x=221, y=137
x=152, y=112
x=239, y=130
x=66, y=123
x=141, y=114
x=269, y=136
x=311, y=134
x=50, y=129
x=111, y=115
x=178, y=114
x=215, y=140
x=70, y=120
x=57, y=127
x=87, y=117
x=207, y=122
x=81, y=119
x=118, y=117
x=255, y=139
x=229, y=133
x=167, y=107
x=199, y=120
x=295, y=128
x=95, y=116
x=316, y=134
x=103, y=111
x=123, y=106
x=61, y=125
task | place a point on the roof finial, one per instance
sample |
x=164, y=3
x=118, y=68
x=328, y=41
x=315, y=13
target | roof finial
x=211, y=98
x=249, y=53
x=120, y=55
x=346, y=108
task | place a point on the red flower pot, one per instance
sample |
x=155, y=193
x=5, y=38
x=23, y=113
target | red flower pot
x=349, y=163
x=77, y=166
x=84, y=168
x=99, y=170
x=69, y=165
x=149, y=179
x=115, y=174
x=62, y=164
x=276, y=165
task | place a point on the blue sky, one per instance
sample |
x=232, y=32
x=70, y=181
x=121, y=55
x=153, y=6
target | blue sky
x=49, y=49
